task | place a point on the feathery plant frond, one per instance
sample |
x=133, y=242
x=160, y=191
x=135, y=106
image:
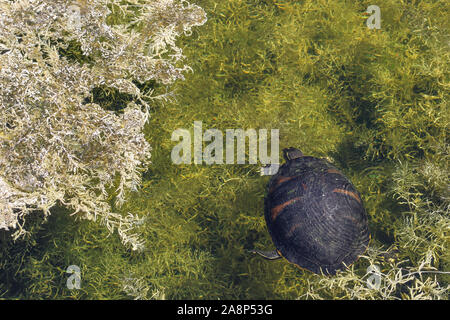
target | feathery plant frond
x=55, y=145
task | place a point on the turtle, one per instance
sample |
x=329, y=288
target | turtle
x=315, y=216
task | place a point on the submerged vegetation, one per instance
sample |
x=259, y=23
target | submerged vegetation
x=372, y=101
x=57, y=145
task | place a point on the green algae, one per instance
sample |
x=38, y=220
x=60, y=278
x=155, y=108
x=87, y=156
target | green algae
x=375, y=102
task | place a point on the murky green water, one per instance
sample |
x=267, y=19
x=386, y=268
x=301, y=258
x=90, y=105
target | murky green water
x=372, y=101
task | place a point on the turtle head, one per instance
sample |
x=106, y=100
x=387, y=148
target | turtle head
x=291, y=153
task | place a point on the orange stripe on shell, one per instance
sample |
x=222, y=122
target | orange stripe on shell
x=276, y=210
x=333, y=171
x=281, y=180
x=348, y=193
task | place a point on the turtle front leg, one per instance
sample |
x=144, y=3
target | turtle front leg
x=269, y=255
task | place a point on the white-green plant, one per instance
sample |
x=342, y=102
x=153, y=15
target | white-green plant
x=387, y=279
x=55, y=147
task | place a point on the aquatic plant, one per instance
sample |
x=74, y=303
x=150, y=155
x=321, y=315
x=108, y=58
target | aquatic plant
x=374, y=102
x=57, y=145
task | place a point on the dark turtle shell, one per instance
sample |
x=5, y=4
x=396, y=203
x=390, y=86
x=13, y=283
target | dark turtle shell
x=314, y=214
